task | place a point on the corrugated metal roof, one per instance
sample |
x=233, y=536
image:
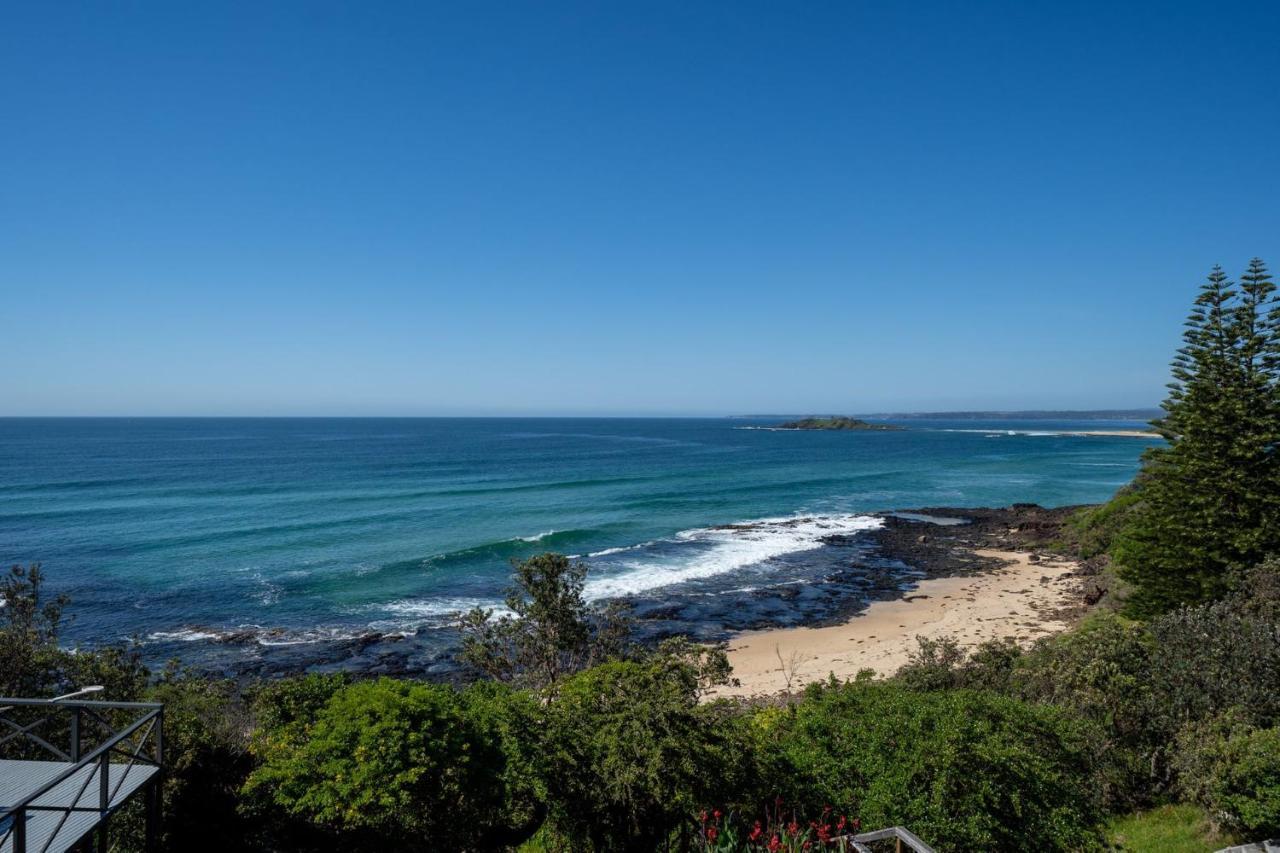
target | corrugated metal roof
x=47, y=829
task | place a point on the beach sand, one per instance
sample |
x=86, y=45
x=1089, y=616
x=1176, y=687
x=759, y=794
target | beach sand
x=1020, y=600
x=1124, y=433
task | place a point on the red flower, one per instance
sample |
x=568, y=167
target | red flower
x=808, y=845
x=775, y=844
x=702, y=815
x=824, y=833
x=840, y=824
x=857, y=824
x=717, y=814
x=756, y=832
x=793, y=827
x=712, y=832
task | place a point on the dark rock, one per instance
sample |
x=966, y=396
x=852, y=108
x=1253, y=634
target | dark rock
x=1095, y=565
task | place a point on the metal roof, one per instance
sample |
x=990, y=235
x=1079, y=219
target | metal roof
x=113, y=750
x=62, y=815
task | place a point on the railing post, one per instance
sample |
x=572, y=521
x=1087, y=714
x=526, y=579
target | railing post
x=75, y=736
x=104, y=783
x=104, y=799
x=153, y=816
x=20, y=831
x=155, y=806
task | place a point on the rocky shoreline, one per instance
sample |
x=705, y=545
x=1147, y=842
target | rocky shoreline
x=912, y=545
x=944, y=541
x=979, y=574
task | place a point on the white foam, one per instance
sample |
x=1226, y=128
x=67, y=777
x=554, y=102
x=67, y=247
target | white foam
x=727, y=549
x=302, y=638
x=261, y=636
x=186, y=635
x=537, y=537
x=438, y=606
x=1031, y=432
x=622, y=550
x=413, y=613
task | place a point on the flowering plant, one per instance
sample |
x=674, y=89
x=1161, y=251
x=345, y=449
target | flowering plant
x=778, y=831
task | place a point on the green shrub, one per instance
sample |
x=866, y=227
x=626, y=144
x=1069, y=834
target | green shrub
x=1093, y=530
x=943, y=665
x=1256, y=591
x=632, y=754
x=1101, y=673
x=206, y=762
x=1200, y=748
x=1245, y=787
x=1210, y=658
x=934, y=665
x=965, y=770
x=551, y=631
x=1233, y=770
x=1140, y=683
x=395, y=765
x=513, y=720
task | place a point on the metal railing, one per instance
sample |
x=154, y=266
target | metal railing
x=902, y=838
x=138, y=741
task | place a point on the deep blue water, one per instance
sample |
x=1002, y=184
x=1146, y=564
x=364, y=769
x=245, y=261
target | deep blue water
x=309, y=530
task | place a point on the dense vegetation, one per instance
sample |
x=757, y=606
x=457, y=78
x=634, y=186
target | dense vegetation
x=573, y=739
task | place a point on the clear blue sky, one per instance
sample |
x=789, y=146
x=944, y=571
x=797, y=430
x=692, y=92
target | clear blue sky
x=631, y=208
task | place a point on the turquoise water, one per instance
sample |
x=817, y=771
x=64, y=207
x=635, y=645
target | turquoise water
x=306, y=532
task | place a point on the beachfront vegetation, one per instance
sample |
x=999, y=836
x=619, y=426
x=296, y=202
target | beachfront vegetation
x=548, y=632
x=1153, y=725
x=1208, y=504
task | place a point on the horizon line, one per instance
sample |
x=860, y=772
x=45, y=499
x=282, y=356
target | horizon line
x=1136, y=411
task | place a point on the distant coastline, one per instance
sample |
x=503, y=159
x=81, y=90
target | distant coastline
x=1026, y=415
x=837, y=423
x=1019, y=415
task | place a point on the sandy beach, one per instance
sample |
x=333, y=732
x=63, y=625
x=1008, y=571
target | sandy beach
x=1123, y=433
x=1019, y=600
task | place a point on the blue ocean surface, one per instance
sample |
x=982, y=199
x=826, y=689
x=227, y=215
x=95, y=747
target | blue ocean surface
x=219, y=539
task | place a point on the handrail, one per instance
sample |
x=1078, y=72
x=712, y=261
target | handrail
x=900, y=833
x=79, y=703
x=154, y=715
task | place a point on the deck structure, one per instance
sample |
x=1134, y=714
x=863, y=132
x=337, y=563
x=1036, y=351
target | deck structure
x=54, y=799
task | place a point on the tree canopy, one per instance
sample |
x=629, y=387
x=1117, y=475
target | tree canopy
x=1210, y=498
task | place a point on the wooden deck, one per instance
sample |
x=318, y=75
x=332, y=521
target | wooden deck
x=54, y=831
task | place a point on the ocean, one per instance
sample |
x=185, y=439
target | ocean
x=293, y=543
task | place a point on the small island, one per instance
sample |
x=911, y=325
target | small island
x=835, y=423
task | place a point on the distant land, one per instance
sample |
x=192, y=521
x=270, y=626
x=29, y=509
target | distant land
x=1029, y=415
x=835, y=423
x=1024, y=415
